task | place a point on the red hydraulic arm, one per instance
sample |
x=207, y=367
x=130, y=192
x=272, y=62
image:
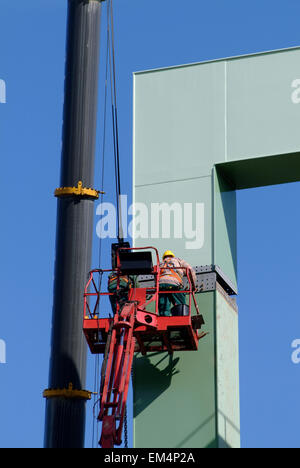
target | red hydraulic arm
x=114, y=387
x=117, y=365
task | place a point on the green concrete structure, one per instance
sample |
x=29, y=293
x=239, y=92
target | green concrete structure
x=201, y=132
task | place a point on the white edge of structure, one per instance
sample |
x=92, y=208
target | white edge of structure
x=133, y=155
x=235, y=57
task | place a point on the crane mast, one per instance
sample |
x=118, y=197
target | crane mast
x=66, y=397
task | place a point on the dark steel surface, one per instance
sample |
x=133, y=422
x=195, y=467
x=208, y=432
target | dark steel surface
x=65, y=418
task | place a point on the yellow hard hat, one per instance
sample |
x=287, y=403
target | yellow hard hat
x=168, y=253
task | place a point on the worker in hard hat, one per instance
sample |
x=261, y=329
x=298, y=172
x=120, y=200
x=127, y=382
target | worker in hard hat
x=120, y=294
x=171, y=278
x=120, y=291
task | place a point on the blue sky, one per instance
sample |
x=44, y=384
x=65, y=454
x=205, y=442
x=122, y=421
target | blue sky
x=148, y=35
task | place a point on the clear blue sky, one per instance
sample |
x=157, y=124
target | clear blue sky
x=149, y=34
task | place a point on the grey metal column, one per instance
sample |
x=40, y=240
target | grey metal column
x=65, y=416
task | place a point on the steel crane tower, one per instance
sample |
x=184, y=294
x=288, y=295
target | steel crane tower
x=66, y=397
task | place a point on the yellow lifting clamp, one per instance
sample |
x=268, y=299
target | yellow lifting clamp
x=68, y=393
x=78, y=191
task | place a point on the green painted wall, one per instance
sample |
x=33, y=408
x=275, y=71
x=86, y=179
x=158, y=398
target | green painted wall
x=191, y=399
x=198, y=190
x=227, y=351
x=201, y=131
x=188, y=118
x=224, y=252
x=262, y=109
x=176, y=399
x=179, y=130
x=172, y=405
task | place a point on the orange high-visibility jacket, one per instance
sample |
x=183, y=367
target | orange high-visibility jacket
x=172, y=276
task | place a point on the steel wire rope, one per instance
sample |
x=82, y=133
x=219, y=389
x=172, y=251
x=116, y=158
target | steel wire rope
x=115, y=95
x=97, y=357
x=113, y=87
x=111, y=67
x=110, y=60
x=112, y=63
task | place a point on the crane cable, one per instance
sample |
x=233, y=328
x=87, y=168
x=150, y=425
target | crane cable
x=95, y=433
x=113, y=87
x=110, y=60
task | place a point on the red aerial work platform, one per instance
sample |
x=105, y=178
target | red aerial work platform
x=135, y=327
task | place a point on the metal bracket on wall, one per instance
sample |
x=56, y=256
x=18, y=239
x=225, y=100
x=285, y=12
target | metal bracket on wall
x=209, y=275
x=207, y=278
